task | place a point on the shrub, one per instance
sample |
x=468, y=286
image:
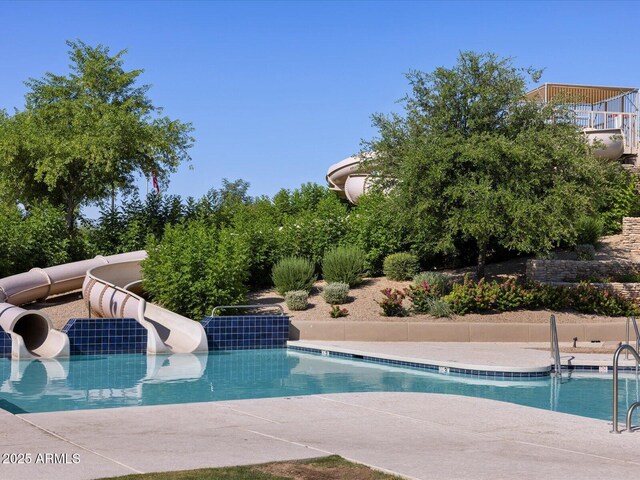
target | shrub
x=585, y=252
x=344, y=264
x=588, y=298
x=439, y=283
x=310, y=233
x=293, y=273
x=589, y=230
x=549, y=296
x=337, y=312
x=401, y=266
x=392, y=303
x=439, y=308
x=194, y=267
x=297, y=300
x=421, y=296
x=620, y=200
x=484, y=296
x=375, y=226
x=335, y=293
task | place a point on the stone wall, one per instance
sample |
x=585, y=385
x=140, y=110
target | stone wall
x=631, y=235
x=552, y=271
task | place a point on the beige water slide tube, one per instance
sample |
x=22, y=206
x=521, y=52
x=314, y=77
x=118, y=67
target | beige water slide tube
x=114, y=291
x=32, y=333
x=348, y=178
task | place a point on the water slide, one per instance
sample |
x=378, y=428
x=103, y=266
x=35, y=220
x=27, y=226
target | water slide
x=348, y=178
x=114, y=291
x=32, y=333
x=610, y=142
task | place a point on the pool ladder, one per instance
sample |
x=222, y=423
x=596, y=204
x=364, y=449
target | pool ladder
x=625, y=347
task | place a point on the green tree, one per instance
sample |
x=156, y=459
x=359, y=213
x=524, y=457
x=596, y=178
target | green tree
x=472, y=162
x=83, y=136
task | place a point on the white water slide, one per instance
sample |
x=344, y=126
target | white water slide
x=349, y=177
x=111, y=286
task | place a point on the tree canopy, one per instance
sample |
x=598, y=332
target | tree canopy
x=83, y=136
x=471, y=162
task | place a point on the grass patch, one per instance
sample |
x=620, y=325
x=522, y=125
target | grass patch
x=333, y=467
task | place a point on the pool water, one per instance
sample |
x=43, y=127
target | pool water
x=108, y=381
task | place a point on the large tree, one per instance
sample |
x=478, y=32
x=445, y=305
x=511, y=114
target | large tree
x=471, y=162
x=84, y=136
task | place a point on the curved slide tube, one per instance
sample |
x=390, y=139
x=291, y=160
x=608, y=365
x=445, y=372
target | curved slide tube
x=113, y=290
x=348, y=178
x=31, y=331
x=610, y=142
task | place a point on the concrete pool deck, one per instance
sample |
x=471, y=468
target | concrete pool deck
x=416, y=435
x=516, y=357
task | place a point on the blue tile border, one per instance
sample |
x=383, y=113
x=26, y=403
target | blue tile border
x=246, y=332
x=94, y=336
x=5, y=344
x=425, y=366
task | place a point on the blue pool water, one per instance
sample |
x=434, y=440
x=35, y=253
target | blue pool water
x=108, y=381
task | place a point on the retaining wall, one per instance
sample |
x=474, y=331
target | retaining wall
x=554, y=271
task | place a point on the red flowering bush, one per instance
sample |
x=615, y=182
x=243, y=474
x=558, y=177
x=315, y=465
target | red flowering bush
x=392, y=303
x=483, y=296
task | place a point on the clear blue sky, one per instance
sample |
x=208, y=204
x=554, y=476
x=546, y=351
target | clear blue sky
x=278, y=91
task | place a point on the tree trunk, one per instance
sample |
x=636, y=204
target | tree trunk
x=482, y=260
x=70, y=217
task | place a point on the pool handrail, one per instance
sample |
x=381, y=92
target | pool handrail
x=632, y=319
x=616, y=358
x=555, y=349
x=226, y=307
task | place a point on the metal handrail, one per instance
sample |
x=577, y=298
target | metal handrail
x=616, y=358
x=555, y=350
x=223, y=307
x=632, y=319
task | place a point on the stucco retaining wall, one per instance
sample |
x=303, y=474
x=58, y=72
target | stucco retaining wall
x=453, y=331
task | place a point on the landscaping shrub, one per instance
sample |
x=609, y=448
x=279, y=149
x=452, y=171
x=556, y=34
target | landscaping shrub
x=549, y=296
x=337, y=311
x=589, y=230
x=310, y=233
x=588, y=298
x=439, y=308
x=35, y=238
x=401, y=266
x=194, y=267
x=483, y=296
x=377, y=229
x=585, y=252
x=440, y=283
x=297, y=300
x=620, y=199
x=344, y=264
x=421, y=296
x=293, y=273
x=335, y=293
x=392, y=303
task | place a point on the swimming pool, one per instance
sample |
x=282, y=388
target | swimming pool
x=109, y=381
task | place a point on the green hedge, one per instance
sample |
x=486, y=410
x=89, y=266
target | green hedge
x=196, y=266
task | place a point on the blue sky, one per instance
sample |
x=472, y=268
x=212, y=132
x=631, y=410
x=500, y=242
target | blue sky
x=278, y=91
